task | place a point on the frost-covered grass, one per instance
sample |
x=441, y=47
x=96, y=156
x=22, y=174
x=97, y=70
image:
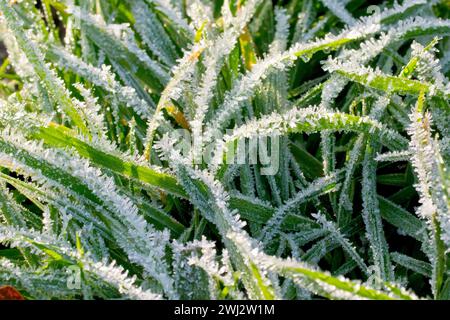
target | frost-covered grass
x=124, y=131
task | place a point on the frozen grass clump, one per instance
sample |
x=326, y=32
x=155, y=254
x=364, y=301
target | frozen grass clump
x=234, y=149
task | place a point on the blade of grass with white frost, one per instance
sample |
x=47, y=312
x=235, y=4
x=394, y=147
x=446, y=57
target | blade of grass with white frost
x=102, y=77
x=63, y=253
x=318, y=187
x=118, y=211
x=52, y=83
x=377, y=80
x=345, y=205
x=214, y=59
x=244, y=87
x=180, y=72
x=310, y=120
x=319, y=282
x=322, y=247
x=372, y=217
x=337, y=7
x=77, y=211
x=402, y=219
x=433, y=187
x=212, y=200
x=421, y=267
x=127, y=54
x=61, y=137
x=343, y=241
x=152, y=32
x=171, y=12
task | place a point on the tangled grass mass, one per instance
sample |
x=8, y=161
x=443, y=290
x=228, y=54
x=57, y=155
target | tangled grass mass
x=225, y=149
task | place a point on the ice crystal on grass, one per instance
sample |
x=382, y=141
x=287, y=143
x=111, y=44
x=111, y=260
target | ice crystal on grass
x=104, y=78
x=393, y=156
x=338, y=9
x=430, y=169
x=215, y=55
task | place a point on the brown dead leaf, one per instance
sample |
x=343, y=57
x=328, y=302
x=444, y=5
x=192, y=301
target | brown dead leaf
x=10, y=293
